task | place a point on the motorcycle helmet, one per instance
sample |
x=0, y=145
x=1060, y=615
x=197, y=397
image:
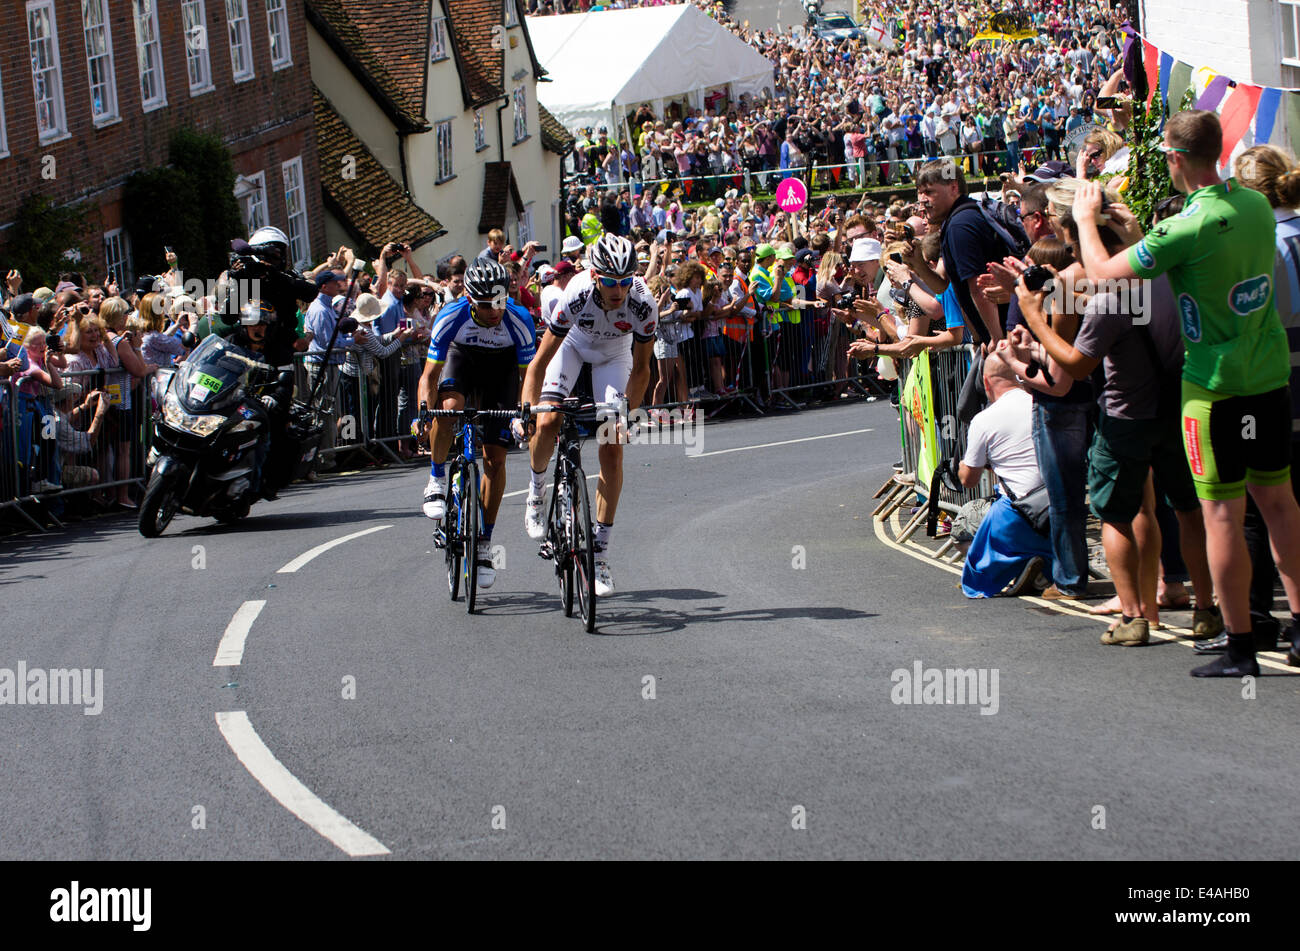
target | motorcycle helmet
x=270, y=243
x=256, y=312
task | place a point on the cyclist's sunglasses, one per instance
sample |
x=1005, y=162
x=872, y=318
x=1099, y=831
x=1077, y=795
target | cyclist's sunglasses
x=615, y=281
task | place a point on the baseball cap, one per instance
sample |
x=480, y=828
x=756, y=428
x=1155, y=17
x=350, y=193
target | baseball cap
x=546, y=274
x=784, y=254
x=145, y=284
x=324, y=277
x=805, y=256
x=1050, y=172
x=865, y=249
x=21, y=305
x=764, y=251
x=562, y=268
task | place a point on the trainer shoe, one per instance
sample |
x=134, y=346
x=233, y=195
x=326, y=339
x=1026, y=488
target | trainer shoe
x=534, y=523
x=487, y=573
x=1206, y=622
x=1128, y=633
x=435, y=499
x=604, y=580
x=1025, y=583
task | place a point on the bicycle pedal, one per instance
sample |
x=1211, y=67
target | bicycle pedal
x=545, y=550
x=439, y=540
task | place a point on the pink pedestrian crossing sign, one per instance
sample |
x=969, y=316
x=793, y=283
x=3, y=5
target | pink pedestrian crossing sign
x=791, y=195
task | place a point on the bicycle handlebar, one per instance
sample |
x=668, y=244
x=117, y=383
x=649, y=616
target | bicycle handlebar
x=426, y=414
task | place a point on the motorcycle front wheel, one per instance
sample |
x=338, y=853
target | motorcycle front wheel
x=158, y=507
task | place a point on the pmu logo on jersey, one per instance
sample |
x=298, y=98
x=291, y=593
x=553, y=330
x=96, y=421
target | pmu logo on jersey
x=1191, y=317
x=623, y=325
x=1144, y=256
x=1250, y=295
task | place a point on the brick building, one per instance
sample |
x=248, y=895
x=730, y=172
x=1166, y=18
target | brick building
x=91, y=91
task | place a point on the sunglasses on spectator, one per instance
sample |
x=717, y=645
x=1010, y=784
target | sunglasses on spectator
x=1169, y=148
x=616, y=281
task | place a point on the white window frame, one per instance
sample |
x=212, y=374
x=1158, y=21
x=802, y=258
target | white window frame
x=196, y=47
x=240, y=35
x=480, y=131
x=50, y=78
x=299, y=238
x=277, y=26
x=1289, y=8
x=438, y=46
x=104, y=60
x=147, y=39
x=511, y=14
x=255, y=200
x=446, y=151
x=521, y=114
x=117, y=257
x=526, y=225
x=4, y=135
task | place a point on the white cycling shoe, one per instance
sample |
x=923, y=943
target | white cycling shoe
x=604, y=580
x=534, y=521
x=487, y=574
x=435, y=499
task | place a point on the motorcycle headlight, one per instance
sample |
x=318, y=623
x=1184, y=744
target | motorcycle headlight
x=178, y=418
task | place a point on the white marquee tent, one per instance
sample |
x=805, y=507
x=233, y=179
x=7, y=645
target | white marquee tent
x=605, y=64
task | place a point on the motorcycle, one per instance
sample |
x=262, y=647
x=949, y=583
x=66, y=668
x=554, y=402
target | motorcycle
x=207, y=429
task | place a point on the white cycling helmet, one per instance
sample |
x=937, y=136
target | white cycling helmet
x=612, y=256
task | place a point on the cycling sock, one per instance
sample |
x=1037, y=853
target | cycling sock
x=536, y=482
x=602, y=536
x=486, y=534
x=439, y=470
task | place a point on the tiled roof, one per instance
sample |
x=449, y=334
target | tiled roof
x=473, y=30
x=372, y=202
x=555, y=137
x=498, y=186
x=387, y=43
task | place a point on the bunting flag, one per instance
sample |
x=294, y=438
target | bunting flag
x=688, y=184
x=1266, y=114
x=1213, y=94
x=1293, y=119
x=1151, y=62
x=1166, y=68
x=1236, y=115
x=1180, y=77
x=835, y=174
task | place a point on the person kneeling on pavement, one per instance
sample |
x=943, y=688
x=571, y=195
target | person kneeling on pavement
x=1007, y=548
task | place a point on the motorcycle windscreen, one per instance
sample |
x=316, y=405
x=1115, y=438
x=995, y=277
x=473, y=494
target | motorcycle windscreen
x=213, y=376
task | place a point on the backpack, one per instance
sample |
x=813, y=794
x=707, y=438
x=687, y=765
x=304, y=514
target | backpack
x=1005, y=225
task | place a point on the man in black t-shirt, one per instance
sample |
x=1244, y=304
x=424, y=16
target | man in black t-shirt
x=969, y=244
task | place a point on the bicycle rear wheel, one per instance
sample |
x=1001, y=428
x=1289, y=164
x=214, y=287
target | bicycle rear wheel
x=451, y=530
x=470, y=516
x=559, y=535
x=582, y=545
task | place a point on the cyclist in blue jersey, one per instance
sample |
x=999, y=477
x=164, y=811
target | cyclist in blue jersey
x=479, y=348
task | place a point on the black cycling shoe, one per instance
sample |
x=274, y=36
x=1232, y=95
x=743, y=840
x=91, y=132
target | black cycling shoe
x=1264, y=641
x=1225, y=666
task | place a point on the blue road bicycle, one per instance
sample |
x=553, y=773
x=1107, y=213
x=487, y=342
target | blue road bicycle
x=458, y=534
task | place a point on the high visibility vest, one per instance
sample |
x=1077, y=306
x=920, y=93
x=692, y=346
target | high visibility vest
x=591, y=229
x=776, y=311
x=739, y=327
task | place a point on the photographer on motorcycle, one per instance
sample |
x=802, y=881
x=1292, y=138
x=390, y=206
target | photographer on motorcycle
x=266, y=261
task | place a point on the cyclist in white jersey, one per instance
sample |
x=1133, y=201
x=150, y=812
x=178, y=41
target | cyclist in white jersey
x=601, y=308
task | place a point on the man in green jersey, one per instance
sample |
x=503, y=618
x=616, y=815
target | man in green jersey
x=1219, y=255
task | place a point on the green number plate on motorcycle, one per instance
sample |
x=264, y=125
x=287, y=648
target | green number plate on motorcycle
x=211, y=382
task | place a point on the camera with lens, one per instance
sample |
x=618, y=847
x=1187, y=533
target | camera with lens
x=845, y=300
x=1038, y=278
x=54, y=343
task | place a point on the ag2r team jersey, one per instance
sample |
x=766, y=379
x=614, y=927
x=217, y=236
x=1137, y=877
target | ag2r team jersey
x=580, y=316
x=456, y=327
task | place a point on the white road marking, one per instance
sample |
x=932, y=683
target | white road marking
x=525, y=491
x=307, y=556
x=230, y=652
x=784, y=442
x=286, y=789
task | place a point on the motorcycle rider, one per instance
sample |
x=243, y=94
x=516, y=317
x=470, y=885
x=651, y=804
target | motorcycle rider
x=266, y=260
x=257, y=320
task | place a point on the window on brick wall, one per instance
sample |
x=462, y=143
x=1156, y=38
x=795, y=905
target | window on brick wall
x=512, y=13
x=277, y=22
x=117, y=257
x=253, y=204
x=1289, y=15
x=148, y=51
x=194, y=23
x=480, y=133
x=241, y=41
x=295, y=202
x=99, y=61
x=4, y=136
x=445, y=168
x=47, y=74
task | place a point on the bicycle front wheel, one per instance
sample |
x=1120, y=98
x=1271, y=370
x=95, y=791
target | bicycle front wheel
x=558, y=532
x=470, y=517
x=582, y=544
x=451, y=530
